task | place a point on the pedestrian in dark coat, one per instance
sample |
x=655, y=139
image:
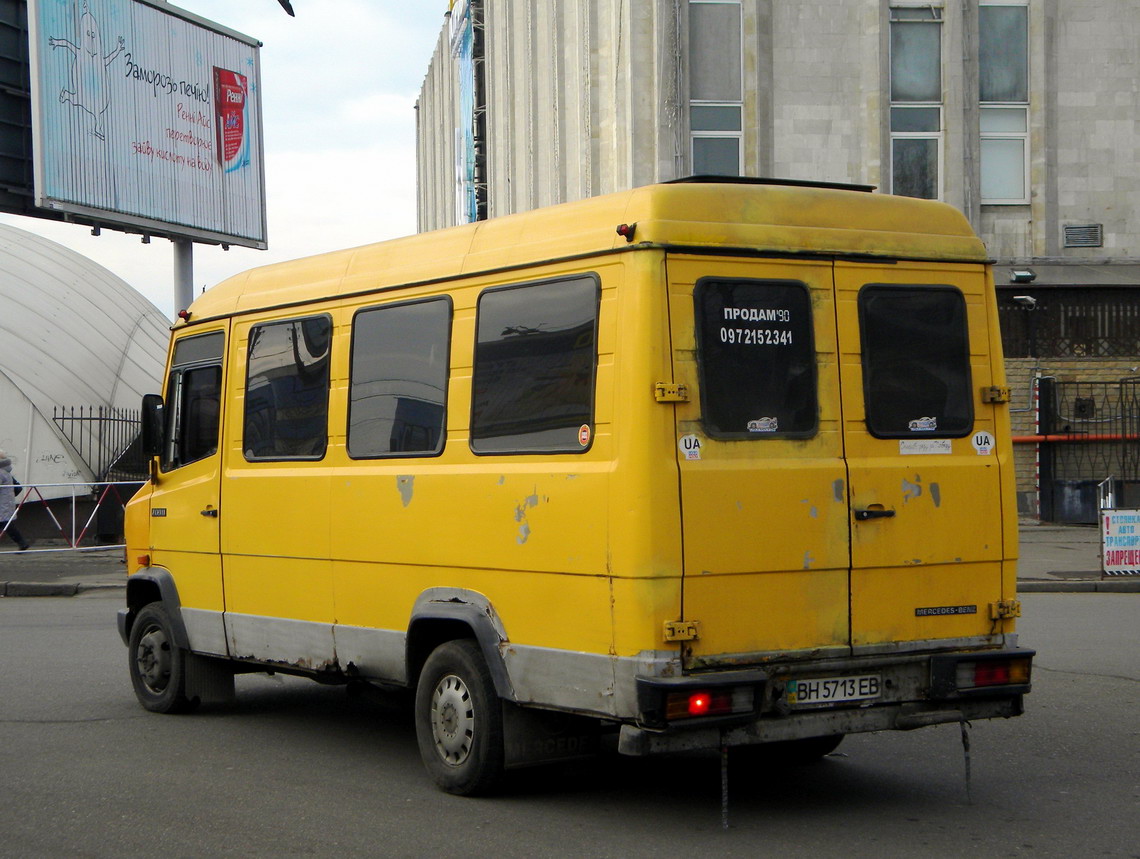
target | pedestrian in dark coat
x=9, y=489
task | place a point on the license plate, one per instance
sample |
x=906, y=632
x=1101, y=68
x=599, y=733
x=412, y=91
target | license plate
x=834, y=690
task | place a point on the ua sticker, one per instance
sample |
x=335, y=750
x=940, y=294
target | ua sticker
x=690, y=446
x=983, y=443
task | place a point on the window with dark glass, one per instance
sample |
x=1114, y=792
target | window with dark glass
x=916, y=361
x=287, y=389
x=1003, y=53
x=535, y=363
x=398, y=384
x=916, y=100
x=1003, y=90
x=756, y=359
x=193, y=395
x=716, y=90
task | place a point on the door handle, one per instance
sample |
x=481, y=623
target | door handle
x=873, y=513
x=211, y=511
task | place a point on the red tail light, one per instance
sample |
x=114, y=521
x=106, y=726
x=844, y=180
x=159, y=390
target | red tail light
x=708, y=702
x=992, y=672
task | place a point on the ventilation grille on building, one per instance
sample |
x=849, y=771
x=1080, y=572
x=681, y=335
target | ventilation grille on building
x=1084, y=235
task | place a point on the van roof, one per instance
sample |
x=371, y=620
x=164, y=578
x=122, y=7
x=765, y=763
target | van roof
x=753, y=217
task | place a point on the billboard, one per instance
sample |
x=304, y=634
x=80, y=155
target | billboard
x=147, y=117
x=462, y=48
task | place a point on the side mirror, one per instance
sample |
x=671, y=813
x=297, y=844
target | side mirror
x=152, y=425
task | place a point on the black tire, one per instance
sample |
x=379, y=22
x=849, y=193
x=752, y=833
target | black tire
x=459, y=720
x=157, y=665
x=791, y=753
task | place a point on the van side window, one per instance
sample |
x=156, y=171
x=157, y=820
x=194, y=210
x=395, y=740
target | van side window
x=193, y=394
x=756, y=359
x=916, y=361
x=287, y=389
x=535, y=363
x=398, y=381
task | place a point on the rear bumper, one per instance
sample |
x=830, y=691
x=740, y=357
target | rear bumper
x=915, y=693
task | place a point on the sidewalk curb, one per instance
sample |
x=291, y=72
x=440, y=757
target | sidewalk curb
x=101, y=587
x=1070, y=586
x=52, y=589
x=38, y=589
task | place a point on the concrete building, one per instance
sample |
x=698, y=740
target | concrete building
x=1021, y=113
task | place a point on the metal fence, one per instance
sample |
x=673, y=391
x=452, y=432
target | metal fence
x=1102, y=420
x=1070, y=323
x=106, y=439
x=89, y=514
x=1089, y=431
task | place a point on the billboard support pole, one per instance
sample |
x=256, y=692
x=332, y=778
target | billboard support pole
x=183, y=273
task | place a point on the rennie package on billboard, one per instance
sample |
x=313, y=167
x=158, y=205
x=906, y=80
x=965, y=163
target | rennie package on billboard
x=231, y=115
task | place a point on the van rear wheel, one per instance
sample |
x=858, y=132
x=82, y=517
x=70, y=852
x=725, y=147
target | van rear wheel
x=459, y=720
x=157, y=665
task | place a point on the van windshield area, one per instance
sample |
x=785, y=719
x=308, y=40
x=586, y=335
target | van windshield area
x=193, y=393
x=916, y=361
x=756, y=359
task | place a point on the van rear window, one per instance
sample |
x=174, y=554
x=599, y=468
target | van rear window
x=916, y=361
x=535, y=360
x=756, y=359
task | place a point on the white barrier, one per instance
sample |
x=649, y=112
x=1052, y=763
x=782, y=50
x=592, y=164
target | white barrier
x=101, y=493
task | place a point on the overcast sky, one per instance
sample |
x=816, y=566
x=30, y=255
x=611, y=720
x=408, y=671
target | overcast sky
x=339, y=86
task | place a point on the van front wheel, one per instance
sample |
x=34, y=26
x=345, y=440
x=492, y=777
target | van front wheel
x=459, y=720
x=158, y=665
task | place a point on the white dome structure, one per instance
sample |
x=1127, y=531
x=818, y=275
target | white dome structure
x=73, y=337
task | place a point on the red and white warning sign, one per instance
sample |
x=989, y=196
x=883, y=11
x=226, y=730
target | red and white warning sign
x=1120, y=542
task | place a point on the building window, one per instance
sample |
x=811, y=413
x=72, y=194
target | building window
x=398, y=380
x=916, y=101
x=716, y=87
x=1003, y=90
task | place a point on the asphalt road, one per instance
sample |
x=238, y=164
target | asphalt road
x=296, y=769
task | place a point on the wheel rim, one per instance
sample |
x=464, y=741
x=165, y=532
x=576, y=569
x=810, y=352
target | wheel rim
x=152, y=658
x=452, y=720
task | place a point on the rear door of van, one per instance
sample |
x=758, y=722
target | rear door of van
x=764, y=498
x=923, y=471
x=839, y=483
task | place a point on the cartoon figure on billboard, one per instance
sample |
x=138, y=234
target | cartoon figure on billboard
x=90, y=90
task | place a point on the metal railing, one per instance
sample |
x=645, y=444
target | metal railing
x=105, y=438
x=1103, y=421
x=1069, y=322
x=88, y=506
x=1106, y=494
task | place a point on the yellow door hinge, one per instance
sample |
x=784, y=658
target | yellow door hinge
x=995, y=394
x=1005, y=609
x=666, y=392
x=682, y=630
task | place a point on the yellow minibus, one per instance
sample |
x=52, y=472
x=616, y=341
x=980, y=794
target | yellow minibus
x=703, y=464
